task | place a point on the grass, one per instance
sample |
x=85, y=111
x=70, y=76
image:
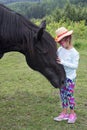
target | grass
x=29, y=102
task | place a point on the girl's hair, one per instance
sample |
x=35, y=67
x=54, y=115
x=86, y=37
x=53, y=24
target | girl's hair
x=69, y=37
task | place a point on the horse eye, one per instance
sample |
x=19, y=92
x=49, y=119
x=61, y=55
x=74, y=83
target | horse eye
x=41, y=51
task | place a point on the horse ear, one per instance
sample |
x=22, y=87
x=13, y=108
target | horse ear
x=43, y=24
x=41, y=30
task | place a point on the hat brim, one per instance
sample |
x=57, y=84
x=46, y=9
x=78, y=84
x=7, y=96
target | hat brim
x=65, y=35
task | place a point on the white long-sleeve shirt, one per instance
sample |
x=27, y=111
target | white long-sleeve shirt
x=70, y=60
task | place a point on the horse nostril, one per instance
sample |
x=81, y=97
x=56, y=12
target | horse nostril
x=63, y=82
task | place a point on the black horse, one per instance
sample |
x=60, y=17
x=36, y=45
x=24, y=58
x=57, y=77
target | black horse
x=38, y=46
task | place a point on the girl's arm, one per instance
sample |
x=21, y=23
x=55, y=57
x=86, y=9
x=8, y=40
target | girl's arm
x=74, y=64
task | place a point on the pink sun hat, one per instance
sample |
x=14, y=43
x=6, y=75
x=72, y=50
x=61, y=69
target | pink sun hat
x=61, y=33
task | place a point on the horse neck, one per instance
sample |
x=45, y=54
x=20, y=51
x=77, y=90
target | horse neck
x=24, y=45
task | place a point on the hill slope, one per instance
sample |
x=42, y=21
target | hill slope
x=12, y=1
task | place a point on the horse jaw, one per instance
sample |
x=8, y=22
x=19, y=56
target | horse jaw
x=1, y=55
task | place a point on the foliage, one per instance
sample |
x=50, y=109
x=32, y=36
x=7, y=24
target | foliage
x=81, y=2
x=57, y=9
x=37, y=9
x=12, y=1
x=70, y=12
x=20, y=7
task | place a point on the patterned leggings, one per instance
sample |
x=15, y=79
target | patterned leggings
x=66, y=94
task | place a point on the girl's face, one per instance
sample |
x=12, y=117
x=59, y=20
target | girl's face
x=65, y=42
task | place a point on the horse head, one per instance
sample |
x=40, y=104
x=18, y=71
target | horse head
x=44, y=57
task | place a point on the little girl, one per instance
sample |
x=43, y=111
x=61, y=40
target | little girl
x=69, y=58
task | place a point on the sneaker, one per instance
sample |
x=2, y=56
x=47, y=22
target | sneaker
x=72, y=118
x=61, y=117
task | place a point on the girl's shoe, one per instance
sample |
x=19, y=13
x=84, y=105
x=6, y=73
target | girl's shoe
x=72, y=118
x=61, y=117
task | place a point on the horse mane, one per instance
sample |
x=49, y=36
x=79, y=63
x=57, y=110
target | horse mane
x=8, y=15
x=15, y=27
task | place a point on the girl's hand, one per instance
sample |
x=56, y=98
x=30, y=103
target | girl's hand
x=58, y=60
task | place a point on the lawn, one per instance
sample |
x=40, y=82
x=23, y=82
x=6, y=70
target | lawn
x=29, y=102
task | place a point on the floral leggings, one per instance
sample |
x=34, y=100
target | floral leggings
x=66, y=94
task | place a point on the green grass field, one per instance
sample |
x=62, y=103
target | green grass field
x=29, y=102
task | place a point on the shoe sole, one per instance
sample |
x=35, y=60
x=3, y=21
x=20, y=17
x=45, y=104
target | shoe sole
x=61, y=119
x=72, y=121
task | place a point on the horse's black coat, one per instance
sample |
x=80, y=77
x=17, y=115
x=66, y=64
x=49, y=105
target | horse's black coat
x=38, y=46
